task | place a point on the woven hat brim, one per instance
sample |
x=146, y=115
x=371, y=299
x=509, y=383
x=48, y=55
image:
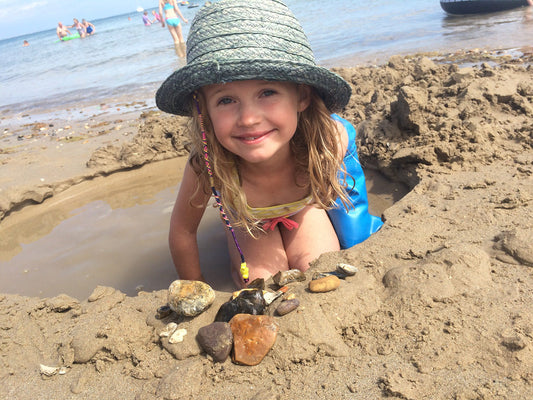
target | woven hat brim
x=174, y=95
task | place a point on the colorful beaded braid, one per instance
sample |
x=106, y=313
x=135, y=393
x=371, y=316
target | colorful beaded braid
x=244, y=269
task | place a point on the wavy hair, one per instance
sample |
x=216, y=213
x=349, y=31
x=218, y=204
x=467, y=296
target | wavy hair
x=315, y=146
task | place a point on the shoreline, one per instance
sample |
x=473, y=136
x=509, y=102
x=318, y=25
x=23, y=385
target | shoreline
x=441, y=304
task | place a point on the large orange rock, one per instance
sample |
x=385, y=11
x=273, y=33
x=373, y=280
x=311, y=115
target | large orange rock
x=253, y=337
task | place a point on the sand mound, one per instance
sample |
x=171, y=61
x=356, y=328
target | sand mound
x=440, y=307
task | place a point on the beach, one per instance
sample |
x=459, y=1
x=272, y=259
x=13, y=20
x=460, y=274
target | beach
x=440, y=307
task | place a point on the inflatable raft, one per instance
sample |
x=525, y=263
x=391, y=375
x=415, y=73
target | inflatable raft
x=480, y=6
x=66, y=38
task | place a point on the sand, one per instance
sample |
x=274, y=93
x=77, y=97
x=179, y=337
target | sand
x=440, y=307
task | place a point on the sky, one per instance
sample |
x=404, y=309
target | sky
x=19, y=17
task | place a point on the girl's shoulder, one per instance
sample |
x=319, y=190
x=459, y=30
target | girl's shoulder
x=347, y=134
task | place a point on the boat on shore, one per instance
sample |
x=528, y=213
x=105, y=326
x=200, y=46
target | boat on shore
x=480, y=6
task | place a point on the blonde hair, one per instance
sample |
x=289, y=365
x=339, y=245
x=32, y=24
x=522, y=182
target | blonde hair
x=315, y=146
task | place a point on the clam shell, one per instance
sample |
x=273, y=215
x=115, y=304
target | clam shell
x=163, y=311
x=347, y=269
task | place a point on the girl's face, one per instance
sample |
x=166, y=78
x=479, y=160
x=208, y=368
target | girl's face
x=255, y=120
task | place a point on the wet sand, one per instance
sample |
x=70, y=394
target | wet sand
x=440, y=307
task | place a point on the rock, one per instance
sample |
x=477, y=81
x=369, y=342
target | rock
x=325, y=284
x=216, y=339
x=247, y=302
x=253, y=337
x=62, y=303
x=517, y=244
x=190, y=298
x=284, y=277
x=101, y=292
x=287, y=306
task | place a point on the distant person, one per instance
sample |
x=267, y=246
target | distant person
x=171, y=13
x=89, y=28
x=146, y=20
x=25, y=43
x=78, y=26
x=156, y=15
x=62, y=31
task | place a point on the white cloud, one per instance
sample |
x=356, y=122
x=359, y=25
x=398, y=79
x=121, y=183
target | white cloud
x=33, y=5
x=9, y=9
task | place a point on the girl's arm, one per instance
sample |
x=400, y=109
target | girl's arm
x=178, y=11
x=343, y=138
x=161, y=13
x=184, y=225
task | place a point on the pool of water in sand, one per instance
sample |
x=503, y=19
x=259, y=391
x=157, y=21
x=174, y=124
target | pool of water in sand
x=113, y=232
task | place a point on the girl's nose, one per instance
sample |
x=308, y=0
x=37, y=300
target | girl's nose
x=249, y=114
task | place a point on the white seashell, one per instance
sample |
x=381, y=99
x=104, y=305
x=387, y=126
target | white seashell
x=51, y=371
x=347, y=269
x=169, y=329
x=177, y=336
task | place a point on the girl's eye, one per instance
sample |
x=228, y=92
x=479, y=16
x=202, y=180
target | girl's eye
x=224, y=101
x=268, y=92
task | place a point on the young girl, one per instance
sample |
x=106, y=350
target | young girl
x=170, y=10
x=264, y=144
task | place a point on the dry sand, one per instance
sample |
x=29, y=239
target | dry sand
x=440, y=307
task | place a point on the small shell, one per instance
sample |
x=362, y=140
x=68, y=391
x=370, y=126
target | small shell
x=163, y=311
x=347, y=269
x=169, y=329
x=177, y=336
x=51, y=371
x=284, y=277
x=271, y=296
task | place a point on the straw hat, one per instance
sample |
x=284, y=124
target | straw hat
x=233, y=40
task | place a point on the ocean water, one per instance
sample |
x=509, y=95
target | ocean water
x=126, y=58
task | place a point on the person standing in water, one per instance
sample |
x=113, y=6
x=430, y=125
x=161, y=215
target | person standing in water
x=170, y=10
x=62, y=31
x=146, y=19
x=89, y=28
x=78, y=26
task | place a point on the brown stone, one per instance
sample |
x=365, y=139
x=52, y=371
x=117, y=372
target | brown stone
x=325, y=284
x=253, y=337
x=216, y=339
x=287, y=306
